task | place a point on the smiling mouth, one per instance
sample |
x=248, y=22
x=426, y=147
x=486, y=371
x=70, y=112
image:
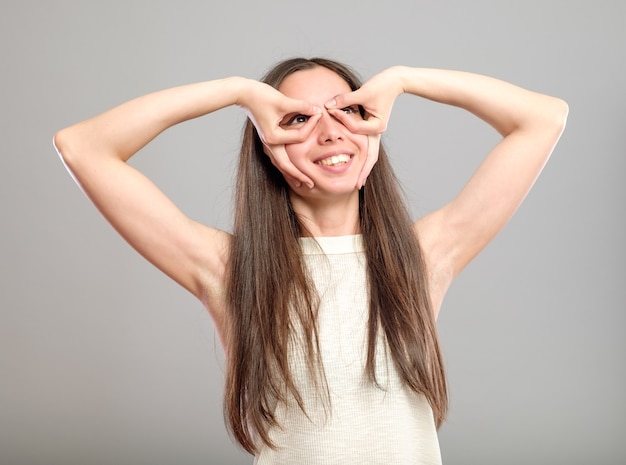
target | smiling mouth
x=335, y=160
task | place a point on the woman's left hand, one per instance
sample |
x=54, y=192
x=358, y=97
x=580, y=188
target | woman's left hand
x=376, y=97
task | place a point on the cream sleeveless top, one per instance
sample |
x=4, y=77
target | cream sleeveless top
x=364, y=423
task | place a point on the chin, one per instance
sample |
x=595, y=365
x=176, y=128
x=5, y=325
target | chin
x=335, y=190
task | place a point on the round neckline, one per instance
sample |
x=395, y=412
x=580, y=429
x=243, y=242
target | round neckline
x=328, y=245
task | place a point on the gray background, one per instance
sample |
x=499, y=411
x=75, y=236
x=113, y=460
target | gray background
x=105, y=361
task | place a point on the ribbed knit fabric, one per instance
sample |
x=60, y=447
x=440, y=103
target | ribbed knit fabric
x=364, y=424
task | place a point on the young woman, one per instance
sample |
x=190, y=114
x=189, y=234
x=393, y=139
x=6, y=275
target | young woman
x=325, y=295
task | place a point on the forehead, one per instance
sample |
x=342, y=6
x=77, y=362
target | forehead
x=315, y=85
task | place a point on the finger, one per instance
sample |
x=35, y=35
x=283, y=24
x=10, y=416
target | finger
x=371, y=125
x=299, y=134
x=344, y=100
x=373, y=149
x=290, y=105
x=281, y=160
x=281, y=135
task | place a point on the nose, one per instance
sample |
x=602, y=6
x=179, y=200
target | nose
x=329, y=129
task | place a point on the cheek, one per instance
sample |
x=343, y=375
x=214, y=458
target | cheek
x=362, y=142
x=296, y=152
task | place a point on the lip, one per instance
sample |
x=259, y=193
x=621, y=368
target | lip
x=335, y=169
x=333, y=154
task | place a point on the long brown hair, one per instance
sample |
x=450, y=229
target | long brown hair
x=270, y=294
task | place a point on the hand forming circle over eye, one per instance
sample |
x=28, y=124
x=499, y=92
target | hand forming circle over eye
x=269, y=110
x=376, y=97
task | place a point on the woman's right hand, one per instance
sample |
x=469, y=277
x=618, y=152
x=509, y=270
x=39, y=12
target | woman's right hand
x=268, y=109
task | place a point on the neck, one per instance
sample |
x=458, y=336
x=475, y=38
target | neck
x=328, y=217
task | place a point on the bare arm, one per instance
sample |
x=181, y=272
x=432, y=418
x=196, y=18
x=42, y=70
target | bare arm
x=530, y=124
x=95, y=152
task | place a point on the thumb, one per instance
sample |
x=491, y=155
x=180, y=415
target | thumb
x=342, y=100
x=302, y=106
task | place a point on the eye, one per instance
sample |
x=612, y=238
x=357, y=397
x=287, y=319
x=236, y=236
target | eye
x=355, y=111
x=296, y=119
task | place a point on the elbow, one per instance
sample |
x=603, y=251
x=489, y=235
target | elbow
x=549, y=117
x=561, y=111
x=554, y=121
x=542, y=114
x=61, y=143
x=555, y=115
x=71, y=146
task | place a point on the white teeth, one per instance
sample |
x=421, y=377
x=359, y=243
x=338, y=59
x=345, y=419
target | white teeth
x=335, y=160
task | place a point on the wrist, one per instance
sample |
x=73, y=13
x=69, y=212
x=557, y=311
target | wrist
x=400, y=78
x=239, y=87
x=245, y=90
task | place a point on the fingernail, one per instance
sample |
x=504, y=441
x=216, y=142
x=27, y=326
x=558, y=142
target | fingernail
x=310, y=185
x=330, y=103
x=297, y=183
x=317, y=110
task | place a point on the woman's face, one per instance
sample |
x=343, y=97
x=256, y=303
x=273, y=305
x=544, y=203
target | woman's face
x=331, y=156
